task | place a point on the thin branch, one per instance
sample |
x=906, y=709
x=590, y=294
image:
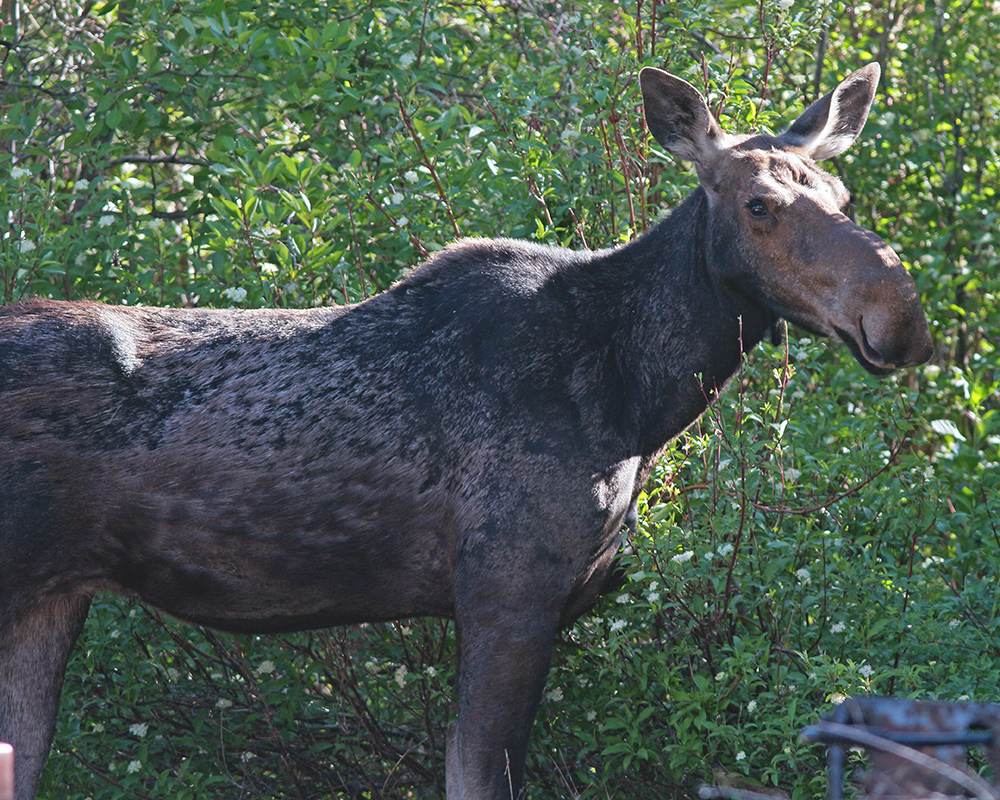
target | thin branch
x=104, y=776
x=427, y=162
x=838, y=497
x=137, y=159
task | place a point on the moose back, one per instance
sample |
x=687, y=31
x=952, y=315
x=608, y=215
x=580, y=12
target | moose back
x=465, y=445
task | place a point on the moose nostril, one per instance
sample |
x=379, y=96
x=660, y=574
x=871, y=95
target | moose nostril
x=895, y=352
x=871, y=351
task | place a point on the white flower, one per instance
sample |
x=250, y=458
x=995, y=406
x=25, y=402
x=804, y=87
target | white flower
x=720, y=676
x=25, y=245
x=786, y=4
x=412, y=176
x=401, y=675
x=724, y=549
x=99, y=727
x=235, y=293
x=431, y=672
x=591, y=716
x=618, y=624
x=751, y=706
x=680, y=558
x=954, y=623
x=397, y=199
x=622, y=598
x=838, y=627
x=266, y=667
x=653, y=597
x=406, y=59
x=555, y=695
x=19, y=172
x=134, y=766
x=866, y=671
x=105, y=220
x=139, y=729
x=268, y=268
x=803, y=575
x=740, y=755
x=155, y=223
x=223, y=702
x=837, y=698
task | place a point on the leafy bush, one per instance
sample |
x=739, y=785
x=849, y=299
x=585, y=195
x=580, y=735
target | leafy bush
x=818, y=534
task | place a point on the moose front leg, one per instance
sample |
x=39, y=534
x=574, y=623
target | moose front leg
x=35, y=644
x=503, y=663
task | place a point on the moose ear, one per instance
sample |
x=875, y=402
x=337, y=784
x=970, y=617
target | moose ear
x=679, y=119
x=831, y=124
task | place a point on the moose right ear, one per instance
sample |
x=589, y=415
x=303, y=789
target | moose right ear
x=679, y=119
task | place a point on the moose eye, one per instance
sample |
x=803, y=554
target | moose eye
x=757, y=208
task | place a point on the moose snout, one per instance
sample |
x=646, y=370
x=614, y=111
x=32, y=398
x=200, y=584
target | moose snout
x=900, y=343
x=877, y=312
x=884, y=347
x=889, y=331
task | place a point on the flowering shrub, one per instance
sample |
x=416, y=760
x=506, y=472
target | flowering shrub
x=819, y=534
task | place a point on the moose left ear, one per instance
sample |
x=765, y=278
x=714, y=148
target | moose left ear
x=831, y=124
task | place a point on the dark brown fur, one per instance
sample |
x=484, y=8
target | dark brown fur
x=465, y=445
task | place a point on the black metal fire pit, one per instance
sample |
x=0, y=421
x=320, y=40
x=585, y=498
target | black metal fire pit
x=917, y=750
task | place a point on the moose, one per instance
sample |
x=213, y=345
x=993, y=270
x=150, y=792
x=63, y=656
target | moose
x=465, y=445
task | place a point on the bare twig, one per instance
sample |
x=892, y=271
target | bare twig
x=427, y=162
x=170, y=159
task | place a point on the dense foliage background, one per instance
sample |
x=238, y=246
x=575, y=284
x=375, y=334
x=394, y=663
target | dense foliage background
x=819, y=534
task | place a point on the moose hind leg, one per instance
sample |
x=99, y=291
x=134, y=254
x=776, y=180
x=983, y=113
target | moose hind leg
x=502, y=671
x=35, y=644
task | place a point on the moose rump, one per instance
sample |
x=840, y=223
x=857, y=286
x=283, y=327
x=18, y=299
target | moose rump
x=465, y=445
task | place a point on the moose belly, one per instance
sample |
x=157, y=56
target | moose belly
x=273, y=588
x=255, y=564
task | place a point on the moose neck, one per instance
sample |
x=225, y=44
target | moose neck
x=681, y=331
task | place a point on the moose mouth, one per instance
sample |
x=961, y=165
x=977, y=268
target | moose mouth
x=861, y=348
x=863, y=352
